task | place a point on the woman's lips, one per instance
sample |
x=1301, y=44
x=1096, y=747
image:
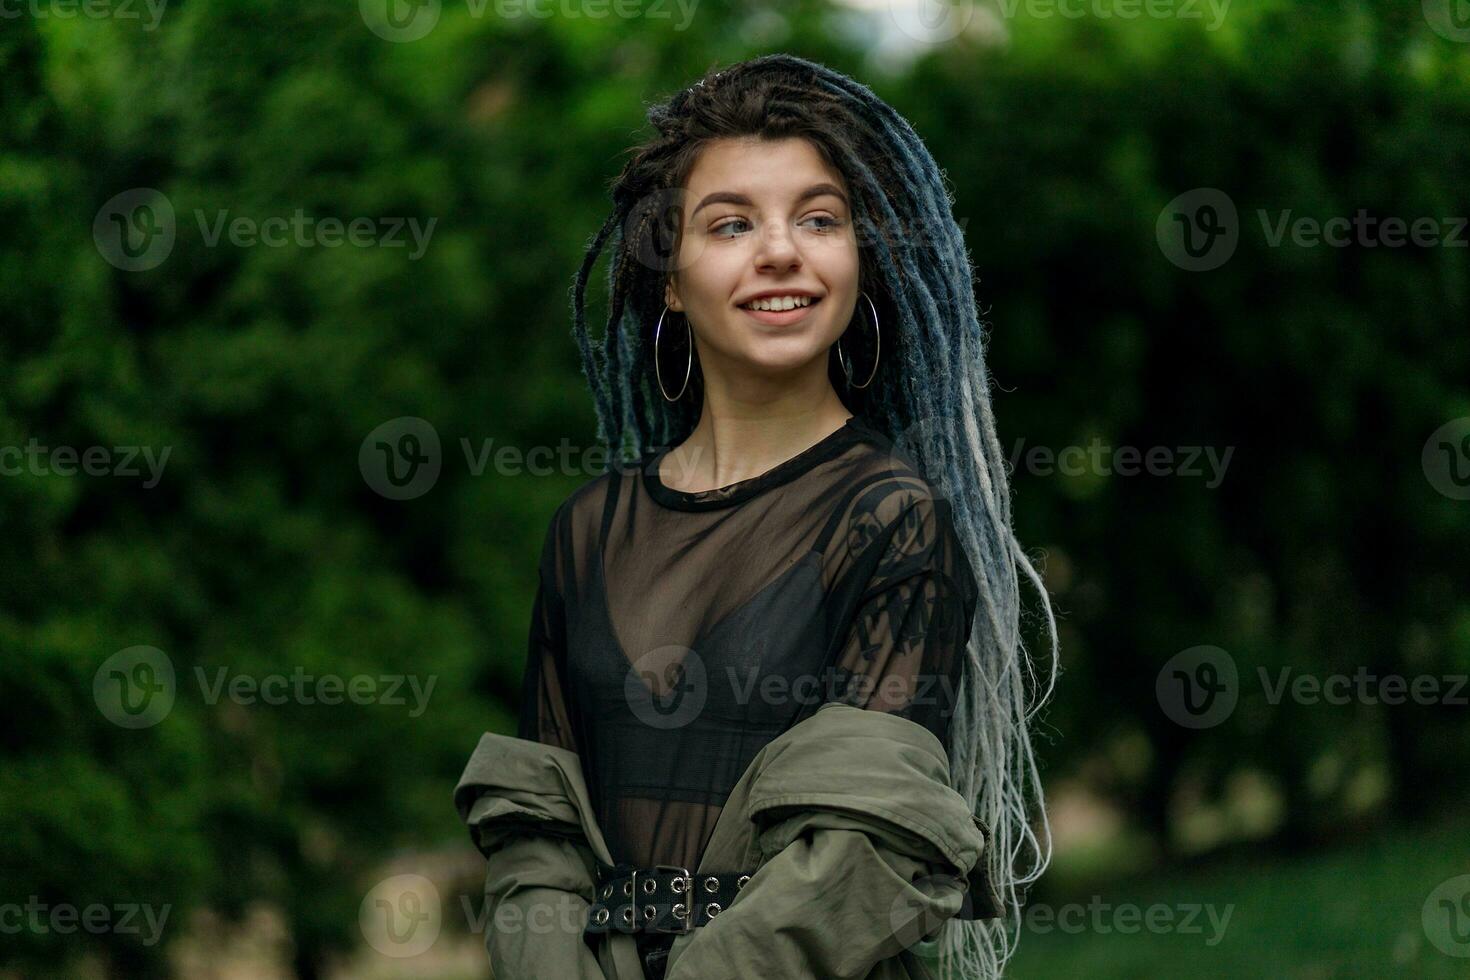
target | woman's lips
x=780, y=318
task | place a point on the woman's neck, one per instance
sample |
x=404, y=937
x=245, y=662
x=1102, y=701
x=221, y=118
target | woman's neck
x=735, y=441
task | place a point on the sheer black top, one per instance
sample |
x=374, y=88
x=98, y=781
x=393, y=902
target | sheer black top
x=674, y=633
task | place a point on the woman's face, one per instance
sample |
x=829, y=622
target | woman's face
x=764, y=217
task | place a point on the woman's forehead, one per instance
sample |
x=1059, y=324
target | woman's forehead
x=761, y=167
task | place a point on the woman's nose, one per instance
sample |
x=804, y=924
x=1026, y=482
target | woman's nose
x=777, y=246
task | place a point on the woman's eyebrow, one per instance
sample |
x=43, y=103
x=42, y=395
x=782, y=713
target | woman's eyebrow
x=730, y=197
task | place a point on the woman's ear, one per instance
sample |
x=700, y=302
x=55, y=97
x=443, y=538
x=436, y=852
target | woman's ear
x=671, y=296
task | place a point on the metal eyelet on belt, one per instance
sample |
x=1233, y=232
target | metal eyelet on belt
x=648, y=912
x=628, y=915
x=712, y=909
x=600, y=916
x=607, y=891
x=711, y=884
x=627, y=888
x=677, y=884
x=650, y=886
x=679, y=910
x=741, y=882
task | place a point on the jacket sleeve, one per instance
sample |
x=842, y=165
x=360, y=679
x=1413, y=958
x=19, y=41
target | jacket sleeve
x=540, y=872
x=864, y=851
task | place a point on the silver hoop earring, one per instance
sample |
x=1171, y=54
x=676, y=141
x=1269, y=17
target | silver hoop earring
x=877, y=350
x=658, y=369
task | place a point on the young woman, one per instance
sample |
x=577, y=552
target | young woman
x=810, y=506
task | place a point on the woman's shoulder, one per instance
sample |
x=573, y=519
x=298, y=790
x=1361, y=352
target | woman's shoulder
x=892, y=515
x=581, y=510
x=885, y=482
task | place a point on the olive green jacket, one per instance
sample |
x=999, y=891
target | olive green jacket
x=862, y=849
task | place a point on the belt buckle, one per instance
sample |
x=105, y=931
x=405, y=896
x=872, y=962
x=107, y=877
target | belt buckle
x=688, y=917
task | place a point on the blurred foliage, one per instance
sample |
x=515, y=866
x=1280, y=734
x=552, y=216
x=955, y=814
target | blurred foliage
x=262, y=549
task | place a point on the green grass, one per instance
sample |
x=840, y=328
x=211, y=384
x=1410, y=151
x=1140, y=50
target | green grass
x=1355, y=912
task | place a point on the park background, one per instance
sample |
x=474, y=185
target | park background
x=1076, y=138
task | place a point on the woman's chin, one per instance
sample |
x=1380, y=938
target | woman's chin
x=781, y=361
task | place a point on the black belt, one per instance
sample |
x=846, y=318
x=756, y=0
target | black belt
x=662, y=899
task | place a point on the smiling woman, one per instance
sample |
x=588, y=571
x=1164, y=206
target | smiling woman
x=768, y=224
x=816, y=514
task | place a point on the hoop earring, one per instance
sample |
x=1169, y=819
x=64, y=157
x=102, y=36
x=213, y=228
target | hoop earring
x=877, y=350
x=658, y=370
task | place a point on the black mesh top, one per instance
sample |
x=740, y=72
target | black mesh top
x=674, y=634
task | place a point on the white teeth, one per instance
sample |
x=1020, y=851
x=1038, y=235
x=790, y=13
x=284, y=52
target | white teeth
x=779, y=303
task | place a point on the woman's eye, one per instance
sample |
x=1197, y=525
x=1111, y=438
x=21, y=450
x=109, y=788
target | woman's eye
x=735, y=226
x=728, y=226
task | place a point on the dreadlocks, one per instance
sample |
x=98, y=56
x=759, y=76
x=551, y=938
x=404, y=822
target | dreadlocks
x=930, y=394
